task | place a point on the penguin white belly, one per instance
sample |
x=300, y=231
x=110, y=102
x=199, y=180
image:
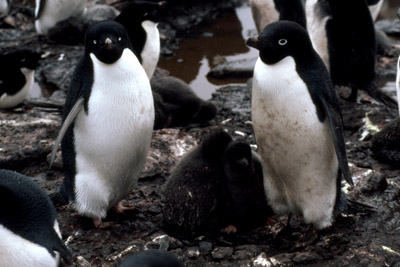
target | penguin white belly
x=299, y=161
x=151, y=49
x=4, y=7
x=17, y=251
x=55, y=11
x=112, y=140
x=316, y=28
x=10, y=101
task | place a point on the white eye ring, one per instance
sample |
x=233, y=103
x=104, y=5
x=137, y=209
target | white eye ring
x=282, y=42
x=119, y=39
x=94, y=41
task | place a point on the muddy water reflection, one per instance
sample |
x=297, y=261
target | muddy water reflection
x=223, y=40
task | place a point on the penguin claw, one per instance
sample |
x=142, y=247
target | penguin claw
x=99, y=224
x=119, y=208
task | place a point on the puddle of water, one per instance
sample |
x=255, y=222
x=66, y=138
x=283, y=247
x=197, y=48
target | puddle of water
x=223, y=40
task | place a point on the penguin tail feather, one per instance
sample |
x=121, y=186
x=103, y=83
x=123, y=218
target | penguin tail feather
x=380, y=96
x=358, y=207
x=60, y=247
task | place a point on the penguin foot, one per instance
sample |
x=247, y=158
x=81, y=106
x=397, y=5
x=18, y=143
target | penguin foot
x=99, y=224
x=230, y=229
x=119, y=208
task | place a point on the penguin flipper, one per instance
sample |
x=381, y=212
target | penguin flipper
x=67, y=122
x=380, y=96
x=336, y=125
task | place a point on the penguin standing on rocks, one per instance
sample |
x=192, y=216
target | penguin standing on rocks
x=108, y=121
x=5, y=6
x=298, y=126
x=190, y=194
x=16, y=76
x=49, y=12
x=29, y=230
x=246, y=204
x=140, y=18
x=267, y=11
x=347, y=44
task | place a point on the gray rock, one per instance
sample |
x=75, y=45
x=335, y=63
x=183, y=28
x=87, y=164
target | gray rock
x=238, y=68
x=389, y=26
x=205, y=247
x=221, y=253
x=193, y=252
x=306, y=257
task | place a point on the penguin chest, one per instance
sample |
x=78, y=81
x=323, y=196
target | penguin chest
x=113, y=138
x=9, y=101
x=296, y=148
x=151, y=49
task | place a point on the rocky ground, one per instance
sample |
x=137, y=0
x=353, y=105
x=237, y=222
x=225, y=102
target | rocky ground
x=27, y=135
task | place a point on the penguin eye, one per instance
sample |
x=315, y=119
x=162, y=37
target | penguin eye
x=282, y=42
x=119, y=39
x=94, y=41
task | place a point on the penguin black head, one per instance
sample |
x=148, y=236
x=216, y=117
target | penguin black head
x=106, y=40
x=237, y=159
x=24, y=58
x=281, y=39
x=140, y=11
x=215, y=143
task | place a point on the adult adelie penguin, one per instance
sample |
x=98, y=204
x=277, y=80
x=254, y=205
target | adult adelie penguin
x=347, y=44
x=108, y=119
x=29, y=230
x=140, y=19
x=298, y=126
x=49, y=12
x=267, y=11
x=16, y=76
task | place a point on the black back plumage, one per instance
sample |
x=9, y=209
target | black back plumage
x=292, y=10
x=352, y=48
x=152, y=258
x=27, y=211
x=132, y=17
x=246, y=204
x=190, y=194
x=11, y=77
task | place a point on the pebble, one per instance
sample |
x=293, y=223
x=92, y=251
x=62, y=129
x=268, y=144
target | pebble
x=221, y=253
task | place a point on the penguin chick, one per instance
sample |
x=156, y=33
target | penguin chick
x=108, y=121
x=190, y=194
x=140, y=18
x=29, y=230
x=176, y=104
x=347, y=44
x=16, y=76
x=49, y=12
x=267, y=11
x=247, y=205
x=152, y=258
x=298, y=126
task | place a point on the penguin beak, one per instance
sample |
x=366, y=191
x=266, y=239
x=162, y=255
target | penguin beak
x=108, y=43
x=253, y=42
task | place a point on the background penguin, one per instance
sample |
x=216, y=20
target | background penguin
x=246, y=206
x=386, y=143
x=49, y=12
x=5, y=6
x=140, y=19
x=109, y=114
x=190, y=194
x=176, y=104
x=298, y=126
x=29, y=230
x=347, y=44
x=267, y=11
x=152, y=258
x=16, y=76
